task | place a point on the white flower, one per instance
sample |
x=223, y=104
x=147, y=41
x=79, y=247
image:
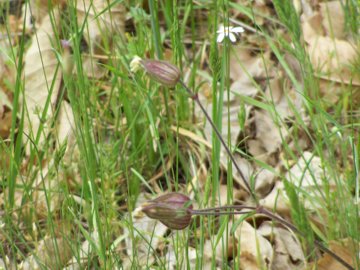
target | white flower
x=135, y=64
x=228, y=31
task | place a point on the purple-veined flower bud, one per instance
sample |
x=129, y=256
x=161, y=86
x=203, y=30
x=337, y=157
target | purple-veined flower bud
x=161, y=71
x=172, y=209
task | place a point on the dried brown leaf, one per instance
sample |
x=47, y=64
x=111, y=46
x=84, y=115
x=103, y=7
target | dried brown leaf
x=306, y=7
x=244, y=165
x=53, y=253
x=40, y=9
x=256, y=251
x=309, y=175
x=268, y=133
x=333, y=89
x=264, y=181
x=43, y=187
x=246, y=69
x=331, y=57
x=257, y=150
x=288, y=251
x=83, y=253
x=103, y=22
x=147, y=231
x=188, y=258
x=4, y=103
x=286, y=99
x=65, y=131
x=333, y=21
x=277, y=199
x=5, y=123
x=345, y=249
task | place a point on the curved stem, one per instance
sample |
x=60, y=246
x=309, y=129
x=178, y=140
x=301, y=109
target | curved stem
x=259, y=209
x=262, y=210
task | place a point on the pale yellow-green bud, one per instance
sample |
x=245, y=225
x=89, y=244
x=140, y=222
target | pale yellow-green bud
x=161, y=71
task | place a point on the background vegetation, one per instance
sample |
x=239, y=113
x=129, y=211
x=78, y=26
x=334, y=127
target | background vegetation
x=84, y=141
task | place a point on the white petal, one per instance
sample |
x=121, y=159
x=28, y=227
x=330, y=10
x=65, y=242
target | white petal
x=220, y=37
x=238, y=29
x=220, y=29
x=232, y=37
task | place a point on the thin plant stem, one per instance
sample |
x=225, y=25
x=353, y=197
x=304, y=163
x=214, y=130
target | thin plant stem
x=195, y=97
x=226, y=207
x=262, y=210
x=258, y=209
x=221, y=213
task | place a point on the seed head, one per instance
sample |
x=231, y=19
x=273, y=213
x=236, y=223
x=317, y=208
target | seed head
x=172, y=209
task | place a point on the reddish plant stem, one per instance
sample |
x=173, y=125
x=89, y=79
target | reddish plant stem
x=259, y=209
x=195, y=97
x=225, y=207
x=221, y=213
x=221, y=210
x=274, y=217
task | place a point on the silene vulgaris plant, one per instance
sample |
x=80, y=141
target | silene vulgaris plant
x=175, y=210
